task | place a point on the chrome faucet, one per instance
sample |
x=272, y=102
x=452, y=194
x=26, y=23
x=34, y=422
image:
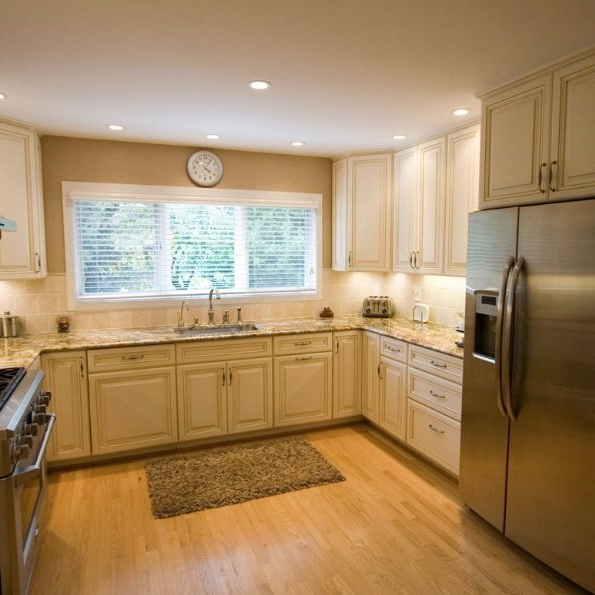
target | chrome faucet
x=181, y=318
x=211, y=312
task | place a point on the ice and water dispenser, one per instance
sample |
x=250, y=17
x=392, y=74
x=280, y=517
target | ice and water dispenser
x=486, y=314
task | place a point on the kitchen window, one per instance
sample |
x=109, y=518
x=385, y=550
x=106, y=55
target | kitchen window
x=138, y=244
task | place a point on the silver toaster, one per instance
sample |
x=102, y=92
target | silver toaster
x=379, y=306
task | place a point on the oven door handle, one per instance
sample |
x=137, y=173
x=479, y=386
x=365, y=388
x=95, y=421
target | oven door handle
x=33, y=471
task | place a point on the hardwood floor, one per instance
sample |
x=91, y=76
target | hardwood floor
x=395, y=526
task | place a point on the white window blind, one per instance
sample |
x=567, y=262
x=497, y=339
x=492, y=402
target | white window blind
x=128, y=247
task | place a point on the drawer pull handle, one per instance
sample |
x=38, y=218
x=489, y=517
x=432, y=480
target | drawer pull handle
x=303, y=359
x=130, y=358
x=435, y=429
x=393, y=349
x=437, y=395
x=438, y=364
x=300, y=343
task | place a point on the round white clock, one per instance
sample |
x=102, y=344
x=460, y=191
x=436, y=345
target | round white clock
x=205, y=168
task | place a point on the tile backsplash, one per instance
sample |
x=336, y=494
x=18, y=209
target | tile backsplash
x=40, y=303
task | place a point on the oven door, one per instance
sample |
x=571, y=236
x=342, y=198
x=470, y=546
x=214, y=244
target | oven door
x=22, y=502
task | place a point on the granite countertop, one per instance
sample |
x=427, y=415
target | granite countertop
x=23, y=350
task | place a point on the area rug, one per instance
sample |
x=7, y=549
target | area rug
x=225, y=475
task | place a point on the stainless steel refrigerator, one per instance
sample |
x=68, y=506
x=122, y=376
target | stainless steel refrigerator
x=528, y=417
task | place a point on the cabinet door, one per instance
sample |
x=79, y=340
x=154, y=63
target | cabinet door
x=132, y=410
x=303, y=389
x=21, y=253
x=250, y=395
x=347, y=394
x=341, y=218
x=515, y=144
x=202, y=409
x=430, y=210
x=65, y=377
x=369, y=187
x=406, y=194
x=462, y=196
x=370, y=368
x=393, y=395
x=573, y=131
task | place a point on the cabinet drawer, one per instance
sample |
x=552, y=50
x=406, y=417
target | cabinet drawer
x=441, y=395
x=130, y=358
x=434, y=435
x=222, y=350
x=304, y=343
x=440, y=364
x=394, y=349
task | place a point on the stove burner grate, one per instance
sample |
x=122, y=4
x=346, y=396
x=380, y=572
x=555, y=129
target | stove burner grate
x=9, y=379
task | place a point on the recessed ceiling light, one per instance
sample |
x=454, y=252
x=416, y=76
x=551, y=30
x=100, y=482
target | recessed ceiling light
x=115, y=127
x=298, y=143
x=212, y=136
x=399, y=136
x=462, y=111
x=2, y=96
x=259, y=85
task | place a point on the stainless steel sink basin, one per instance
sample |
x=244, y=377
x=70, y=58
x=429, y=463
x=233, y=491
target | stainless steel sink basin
x=224, y=329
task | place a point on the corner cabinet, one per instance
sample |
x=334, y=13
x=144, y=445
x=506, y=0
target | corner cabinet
x=22, y=253
x=538, y=139
x=361, y=212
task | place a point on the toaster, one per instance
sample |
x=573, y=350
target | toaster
x=378, y=306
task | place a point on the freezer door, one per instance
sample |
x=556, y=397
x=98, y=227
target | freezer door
x=551, y=479
x=484, y=429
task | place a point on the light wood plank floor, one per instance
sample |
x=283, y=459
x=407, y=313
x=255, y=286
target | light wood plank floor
x=395, y=526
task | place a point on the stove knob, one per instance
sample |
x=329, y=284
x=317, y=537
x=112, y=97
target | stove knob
x=40, y=409
x=38, y=418
x=25, y=441
x=44, y=398
x=22, y=452
x=31, y=429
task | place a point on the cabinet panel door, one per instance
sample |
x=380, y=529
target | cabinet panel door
x=347, y=394
x=371, y=385
x=341, y=219
x=430, y=213
x=250, y=395
x=573, y=131
x=202, y=409
x=515, y=144
x=303, y=389
x=406, y=199
x=393, y=395
x=65, y=377
x=131, y=410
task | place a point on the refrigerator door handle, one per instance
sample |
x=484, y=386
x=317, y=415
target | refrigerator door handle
x=507, y=338
x=499, y=324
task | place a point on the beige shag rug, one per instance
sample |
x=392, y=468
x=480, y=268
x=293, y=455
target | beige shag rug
x=225, y=475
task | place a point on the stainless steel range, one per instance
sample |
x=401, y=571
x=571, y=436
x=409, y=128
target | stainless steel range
x=25, y=428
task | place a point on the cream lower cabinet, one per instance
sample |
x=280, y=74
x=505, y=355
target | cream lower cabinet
x=66, y=378
x=370, y=376
x=303, y=378
x=220, y=394
x=392, y=410
x=347, y=388
x=132, y=393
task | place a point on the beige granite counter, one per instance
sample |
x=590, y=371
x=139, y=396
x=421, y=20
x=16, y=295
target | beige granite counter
x=23, y=350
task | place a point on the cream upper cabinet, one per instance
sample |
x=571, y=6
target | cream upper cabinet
x=361, y=213
x=22, y=253
x=347, y=386
x=419, y=198
x=462, y=195
x=539, y=137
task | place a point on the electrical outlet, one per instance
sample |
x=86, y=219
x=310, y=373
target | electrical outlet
x=416, y=294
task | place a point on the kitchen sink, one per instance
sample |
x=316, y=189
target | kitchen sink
x=223, y=329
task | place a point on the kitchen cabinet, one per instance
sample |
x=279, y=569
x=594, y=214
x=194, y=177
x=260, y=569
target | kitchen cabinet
x=220, y=392
x=393, y=382
x=303, y=378
x=132, y=393
x=22, y=253
x=539, y=137
x=462, y=195
x=66, y=379
x=361, y=212
x=419, y=207
x=371, y=379
x=434, y=406
x=347, y=388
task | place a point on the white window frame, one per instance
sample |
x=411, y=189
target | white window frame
x=72, y=191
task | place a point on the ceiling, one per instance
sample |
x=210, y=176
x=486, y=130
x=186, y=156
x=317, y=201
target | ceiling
x=346, y=74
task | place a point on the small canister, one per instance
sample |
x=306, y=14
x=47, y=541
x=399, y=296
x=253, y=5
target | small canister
x=10, y=325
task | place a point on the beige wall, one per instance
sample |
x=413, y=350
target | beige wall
x=86, y=160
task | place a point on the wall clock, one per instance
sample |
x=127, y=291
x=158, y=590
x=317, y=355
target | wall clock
x=205, y=168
